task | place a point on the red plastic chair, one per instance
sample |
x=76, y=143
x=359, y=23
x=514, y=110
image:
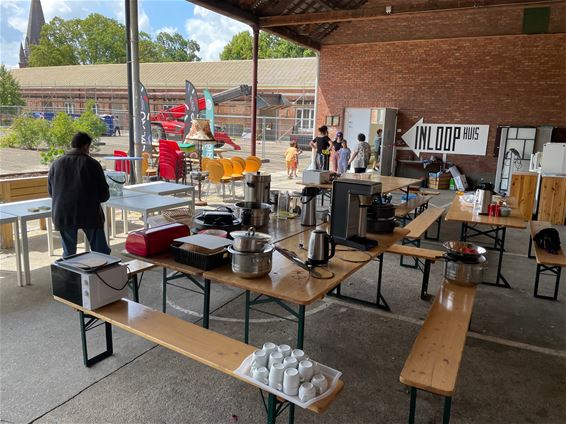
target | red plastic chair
x=171, y=161
x=121, y=165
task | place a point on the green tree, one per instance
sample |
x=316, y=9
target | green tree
x=175, y=48
x=90, y=123
x=10, y=91
x=270, y=47
x=27, y=133
x=98, y=39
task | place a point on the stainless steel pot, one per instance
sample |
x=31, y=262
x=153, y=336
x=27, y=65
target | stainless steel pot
x=251, y=265
x=465, y=273
x=463, y=250
x=249, y=241
x=256, y=187
x=253, y=213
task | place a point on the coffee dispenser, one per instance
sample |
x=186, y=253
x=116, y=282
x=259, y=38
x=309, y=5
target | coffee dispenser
x=256, y=187
x=350, y=200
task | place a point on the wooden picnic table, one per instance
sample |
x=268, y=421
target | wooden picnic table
x=463, y=212
x=388, y=183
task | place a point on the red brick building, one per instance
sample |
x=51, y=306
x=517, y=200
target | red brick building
x=496, y=63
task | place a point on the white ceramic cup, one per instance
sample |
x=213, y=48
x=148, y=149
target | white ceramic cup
x=299, y=354
x=261, y=374
x=276, y=376
x=291, y=382
x=290, y=362
x=306, y=370
x=319, y=381
x=275, y=358
x=307, y=391
x=285, y=350
x=269, y=347
x=259, y=359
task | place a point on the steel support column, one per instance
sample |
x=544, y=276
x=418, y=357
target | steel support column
x=255, y=47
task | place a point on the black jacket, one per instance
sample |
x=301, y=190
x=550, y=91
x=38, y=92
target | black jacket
x=78, y=186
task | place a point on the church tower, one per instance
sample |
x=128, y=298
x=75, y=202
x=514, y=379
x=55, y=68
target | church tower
x=35, y=23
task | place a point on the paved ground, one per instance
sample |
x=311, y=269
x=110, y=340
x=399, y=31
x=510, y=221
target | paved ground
x=513, y=369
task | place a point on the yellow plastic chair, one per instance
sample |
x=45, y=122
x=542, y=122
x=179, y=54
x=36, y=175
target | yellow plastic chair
x=238, y=167
x=252, y=165
x=147, y=171
x=215, y=174
x=237, y=173
x=204, y=162
x=258, y=160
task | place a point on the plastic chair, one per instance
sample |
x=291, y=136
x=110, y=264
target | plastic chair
x=241, y=164
x=237, y=174
x=258, y=160
x=171, y=161
x=215, y=175
x=121, y=165
x=147, y=171
x=252, y=165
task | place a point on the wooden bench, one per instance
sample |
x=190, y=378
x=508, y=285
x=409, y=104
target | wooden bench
x=434, y=360
x=418, y=228
x=428, y=255
x=415, y=205
x=136, y=267
x=547, y=263
x=16, y=190
x=204, y=346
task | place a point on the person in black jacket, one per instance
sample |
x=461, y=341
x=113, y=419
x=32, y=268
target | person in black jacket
x=78, y=186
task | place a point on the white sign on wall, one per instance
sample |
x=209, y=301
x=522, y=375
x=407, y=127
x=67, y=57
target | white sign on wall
x=461, y=139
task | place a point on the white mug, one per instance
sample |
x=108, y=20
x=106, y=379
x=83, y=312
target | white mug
x=306, y=370
x=276, y=376
x=307, y=391
x=291, y=382
x=285, y=350
x=290, y=362
x=261, y=374
x=275, y=358
x=259, y=359
x=269, y=347
x=299, y=354
x=319, y=381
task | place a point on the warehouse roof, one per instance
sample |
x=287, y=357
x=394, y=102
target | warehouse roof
x=277, y=73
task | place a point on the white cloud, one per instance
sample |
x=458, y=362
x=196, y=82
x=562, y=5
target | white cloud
x=10, y=53
x=143, y=19
x=18, y=23
x=212, y=31
x=168, y=29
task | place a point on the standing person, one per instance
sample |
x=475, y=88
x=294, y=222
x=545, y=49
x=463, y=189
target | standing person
x=77, y=185
x=334, y=151
x=377, y=147
x=360, y=158
x=343, y=157
x=292, y=159
x=322, y=142
x=116, y=126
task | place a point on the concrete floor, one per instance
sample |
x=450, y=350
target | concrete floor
x=513, y=369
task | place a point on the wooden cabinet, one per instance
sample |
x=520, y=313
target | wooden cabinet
x=552, y=200
x=523, y=189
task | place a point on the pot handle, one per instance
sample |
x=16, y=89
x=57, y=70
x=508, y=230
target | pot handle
x=225, y=207
x=332, y=246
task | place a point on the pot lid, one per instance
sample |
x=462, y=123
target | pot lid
x=251, y=233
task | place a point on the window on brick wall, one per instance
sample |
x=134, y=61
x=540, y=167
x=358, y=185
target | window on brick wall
x=69, y=108
x=305, y=119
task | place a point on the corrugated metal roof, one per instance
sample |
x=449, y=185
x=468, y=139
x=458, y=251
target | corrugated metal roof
x=279, y=73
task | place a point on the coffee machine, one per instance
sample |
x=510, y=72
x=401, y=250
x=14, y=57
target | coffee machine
x=350, y=200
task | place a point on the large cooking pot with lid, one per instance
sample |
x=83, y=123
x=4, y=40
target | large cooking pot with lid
x=464, y=263
x=252, y=264
x=249, y=241
x=253, y=213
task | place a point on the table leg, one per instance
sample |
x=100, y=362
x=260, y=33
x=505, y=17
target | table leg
x=501, y=251
x=271, y=409
x=25, y=251
x=145, y=224
x=113, y=218
x=50, y=236
x=18, y=253
x=247, y=318
x=206, y=306
x=125, y=219
x=301, y=327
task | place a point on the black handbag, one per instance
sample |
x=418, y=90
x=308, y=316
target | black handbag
x=548, y=239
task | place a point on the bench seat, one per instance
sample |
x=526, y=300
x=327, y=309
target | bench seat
x=419, y=226
x=202, y=345
x=404, y=209
x=434, y=360
x=547, y=263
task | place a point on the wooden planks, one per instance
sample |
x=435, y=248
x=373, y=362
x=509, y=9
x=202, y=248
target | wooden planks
x=435, y=357
x=205, y=346
x=461, y=212
x=290, y=283
x=418, y=226
x=543, y=257
x=404, y=249
x=136, y=266
x=552, y=200
x=407, y=207
x=523, y=189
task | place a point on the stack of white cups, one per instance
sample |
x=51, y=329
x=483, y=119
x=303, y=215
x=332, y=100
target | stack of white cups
x=288, y=370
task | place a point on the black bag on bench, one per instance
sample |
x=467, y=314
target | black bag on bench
x=548, y=239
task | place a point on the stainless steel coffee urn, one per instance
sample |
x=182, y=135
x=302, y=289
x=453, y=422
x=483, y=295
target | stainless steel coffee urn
x=256, y=187
x=308, y=206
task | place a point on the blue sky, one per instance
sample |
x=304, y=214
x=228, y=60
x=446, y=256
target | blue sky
x=210, y=30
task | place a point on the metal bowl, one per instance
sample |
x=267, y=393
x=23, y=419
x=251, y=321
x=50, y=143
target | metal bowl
x=463, y=249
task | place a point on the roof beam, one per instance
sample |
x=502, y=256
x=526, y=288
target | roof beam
x=291, y=35
x=373, y=13
x=227, y=9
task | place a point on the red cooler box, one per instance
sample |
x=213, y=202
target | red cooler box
x=156, y=240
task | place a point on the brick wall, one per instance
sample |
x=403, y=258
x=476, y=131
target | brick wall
x=502, y=80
